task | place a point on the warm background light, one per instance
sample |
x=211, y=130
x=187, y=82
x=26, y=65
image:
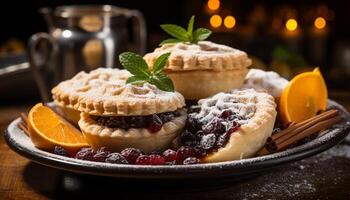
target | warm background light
x=215, y=21
x=229, y=22
x=320, y=23
x=213, y=4
x=291, y=24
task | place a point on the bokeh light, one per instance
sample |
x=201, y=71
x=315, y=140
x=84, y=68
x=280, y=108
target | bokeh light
x=215, y=21
x=320, y=23
x=291, y=24
x=213, y=4
x=229, y=22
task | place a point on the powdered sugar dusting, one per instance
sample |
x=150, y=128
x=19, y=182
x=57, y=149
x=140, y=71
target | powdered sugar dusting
x=110, y=84
x=239, y=102
x=203, y=47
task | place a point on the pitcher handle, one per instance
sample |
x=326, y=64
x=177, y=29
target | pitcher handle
x=37, y=61
x=139, y=30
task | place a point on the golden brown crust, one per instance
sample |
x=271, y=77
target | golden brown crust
x=103, y=92
x=202, y=56
x=117, y=139
x=194, y=85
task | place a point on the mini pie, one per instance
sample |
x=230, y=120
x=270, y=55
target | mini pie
x=270, y=81
x=231, y=126
x=203, y=69
x=116, y=115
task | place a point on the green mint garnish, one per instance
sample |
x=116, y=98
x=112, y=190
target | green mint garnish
x=138, y=67
x=180, y=34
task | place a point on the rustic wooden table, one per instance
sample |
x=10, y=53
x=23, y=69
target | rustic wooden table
x=325, y=176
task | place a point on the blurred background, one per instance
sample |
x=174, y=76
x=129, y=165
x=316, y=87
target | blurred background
x=284, y=36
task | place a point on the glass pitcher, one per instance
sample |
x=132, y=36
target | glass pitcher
x=80, y=38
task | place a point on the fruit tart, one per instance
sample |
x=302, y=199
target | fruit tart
x=198, y=68
x=230, y=126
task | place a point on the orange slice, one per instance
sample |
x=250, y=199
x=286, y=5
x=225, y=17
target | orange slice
x=47, y=129
x=305, y=94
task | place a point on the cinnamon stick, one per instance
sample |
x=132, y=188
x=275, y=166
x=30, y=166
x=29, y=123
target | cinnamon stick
x=307, y=123
x=283, y=132
x=298, y=131
x=24, y=118
x=24, y=128
x=307, y=132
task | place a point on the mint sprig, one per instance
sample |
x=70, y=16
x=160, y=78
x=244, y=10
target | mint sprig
x=138, y=67
x=180, y=34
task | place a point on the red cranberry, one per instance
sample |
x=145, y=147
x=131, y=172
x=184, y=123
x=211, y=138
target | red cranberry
x=116, y=158
x=234, y=127
x=143, y=160
x=101, y=154
x=193, y=124
x=208, y=141
x=155, y=125
x=169, y=155
x=225, y=114
x=156, y=160
x=131, y=154
x=100, y=157
x=185, y=152
x=60, y=151
x=214, y=126
x=187, y=137
x=222, y=140
x=191, y=161
x=200, y=151
x=85, y=154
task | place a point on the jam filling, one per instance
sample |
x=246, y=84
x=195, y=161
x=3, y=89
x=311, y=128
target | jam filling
x=209, y=136
x=152, y=122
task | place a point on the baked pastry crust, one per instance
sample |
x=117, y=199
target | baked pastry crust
x=258, y=107
x=202, y=84
x=205, y=55
x=117, y=139
x=103, y=92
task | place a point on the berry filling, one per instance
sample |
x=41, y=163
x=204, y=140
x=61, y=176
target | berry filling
x=152, y=122
x=208, y=136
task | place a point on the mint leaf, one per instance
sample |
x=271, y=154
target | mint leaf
x=180, y=34
x=176, y=31
x=137, y=66
x=137, y=80
x=134, y=63
x=201, y=34
x=190, y=26
x=160, y=63
x=171, y=40
x=163, y=82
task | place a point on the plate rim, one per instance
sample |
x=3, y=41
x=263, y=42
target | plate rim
x=244, y=166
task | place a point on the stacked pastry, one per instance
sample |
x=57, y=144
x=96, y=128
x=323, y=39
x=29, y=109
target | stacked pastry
x=117, y=115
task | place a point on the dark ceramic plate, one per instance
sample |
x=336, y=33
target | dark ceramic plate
x=21, y=143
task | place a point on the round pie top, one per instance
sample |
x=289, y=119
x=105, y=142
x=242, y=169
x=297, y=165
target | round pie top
x=251, y=107
x=103, y=92
x=265, y=80
x=202, y=56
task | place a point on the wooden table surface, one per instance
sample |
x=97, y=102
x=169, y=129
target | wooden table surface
x=324, y=176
